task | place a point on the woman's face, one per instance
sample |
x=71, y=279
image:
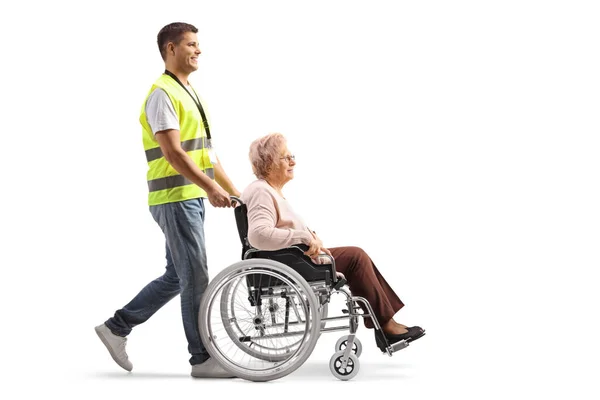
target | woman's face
x=283, y=167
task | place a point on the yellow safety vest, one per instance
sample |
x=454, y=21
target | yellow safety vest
x=165, y=184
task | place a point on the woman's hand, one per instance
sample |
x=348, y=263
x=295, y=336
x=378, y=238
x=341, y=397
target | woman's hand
x=315, y=247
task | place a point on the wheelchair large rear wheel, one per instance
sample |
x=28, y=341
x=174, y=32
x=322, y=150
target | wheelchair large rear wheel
x=235, y=320
x=255, y=330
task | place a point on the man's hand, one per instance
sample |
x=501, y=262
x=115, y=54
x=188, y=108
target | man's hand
x=218, y=197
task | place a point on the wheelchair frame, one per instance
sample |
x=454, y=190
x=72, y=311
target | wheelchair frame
x=311, y=294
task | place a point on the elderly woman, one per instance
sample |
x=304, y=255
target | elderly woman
x=273, y=225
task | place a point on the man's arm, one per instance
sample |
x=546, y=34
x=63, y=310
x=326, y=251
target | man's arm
x=223, y=180
x=170, y=143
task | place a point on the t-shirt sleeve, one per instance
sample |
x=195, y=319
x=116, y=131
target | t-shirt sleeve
x=262, y=220
x=160, y=112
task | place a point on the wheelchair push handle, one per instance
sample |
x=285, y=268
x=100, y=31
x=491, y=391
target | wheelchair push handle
x=235, y=199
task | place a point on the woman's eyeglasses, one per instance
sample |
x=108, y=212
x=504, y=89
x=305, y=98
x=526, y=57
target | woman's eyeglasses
x=288, y=158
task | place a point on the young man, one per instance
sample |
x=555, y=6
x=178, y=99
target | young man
x=183, y=169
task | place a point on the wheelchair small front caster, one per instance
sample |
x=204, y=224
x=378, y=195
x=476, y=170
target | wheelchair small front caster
x=341, y=371
x=342, y=343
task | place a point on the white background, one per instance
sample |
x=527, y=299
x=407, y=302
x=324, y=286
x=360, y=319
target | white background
x=455, y=141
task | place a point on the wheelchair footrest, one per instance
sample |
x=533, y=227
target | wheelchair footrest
x=399, y=345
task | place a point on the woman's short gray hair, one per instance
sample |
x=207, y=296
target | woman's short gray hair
x=263, y=153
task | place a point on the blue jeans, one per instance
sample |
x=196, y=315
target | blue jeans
x=186, y=274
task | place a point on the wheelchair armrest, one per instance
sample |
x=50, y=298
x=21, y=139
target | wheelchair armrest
x=302, y=248
x=297, y=251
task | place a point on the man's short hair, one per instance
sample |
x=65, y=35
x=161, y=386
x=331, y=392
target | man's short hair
x=172, y=33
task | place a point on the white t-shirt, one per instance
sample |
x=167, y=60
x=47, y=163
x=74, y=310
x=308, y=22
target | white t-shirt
x=161, y=115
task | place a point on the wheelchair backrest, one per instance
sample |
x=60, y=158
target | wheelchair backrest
x=241, y=219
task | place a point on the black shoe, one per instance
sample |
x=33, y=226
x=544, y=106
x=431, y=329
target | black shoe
x=381, y=340
x=389, y=339
x=414, y=333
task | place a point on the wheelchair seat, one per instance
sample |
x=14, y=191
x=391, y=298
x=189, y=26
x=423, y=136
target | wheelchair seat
x=293, y=256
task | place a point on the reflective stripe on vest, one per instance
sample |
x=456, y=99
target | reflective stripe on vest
x=187, y=145
x=174, y=181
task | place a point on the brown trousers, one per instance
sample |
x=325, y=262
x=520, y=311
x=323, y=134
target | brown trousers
x=365, y=280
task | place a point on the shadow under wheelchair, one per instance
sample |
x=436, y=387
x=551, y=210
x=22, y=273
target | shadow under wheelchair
x=261, y=317
x=315, y=370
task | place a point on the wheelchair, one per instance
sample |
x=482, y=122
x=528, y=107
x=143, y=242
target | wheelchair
x=260, y=318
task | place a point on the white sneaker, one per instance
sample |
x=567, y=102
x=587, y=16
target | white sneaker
x=115, y=345
x=210, y=369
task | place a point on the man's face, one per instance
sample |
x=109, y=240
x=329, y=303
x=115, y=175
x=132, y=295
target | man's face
x=187, y=52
